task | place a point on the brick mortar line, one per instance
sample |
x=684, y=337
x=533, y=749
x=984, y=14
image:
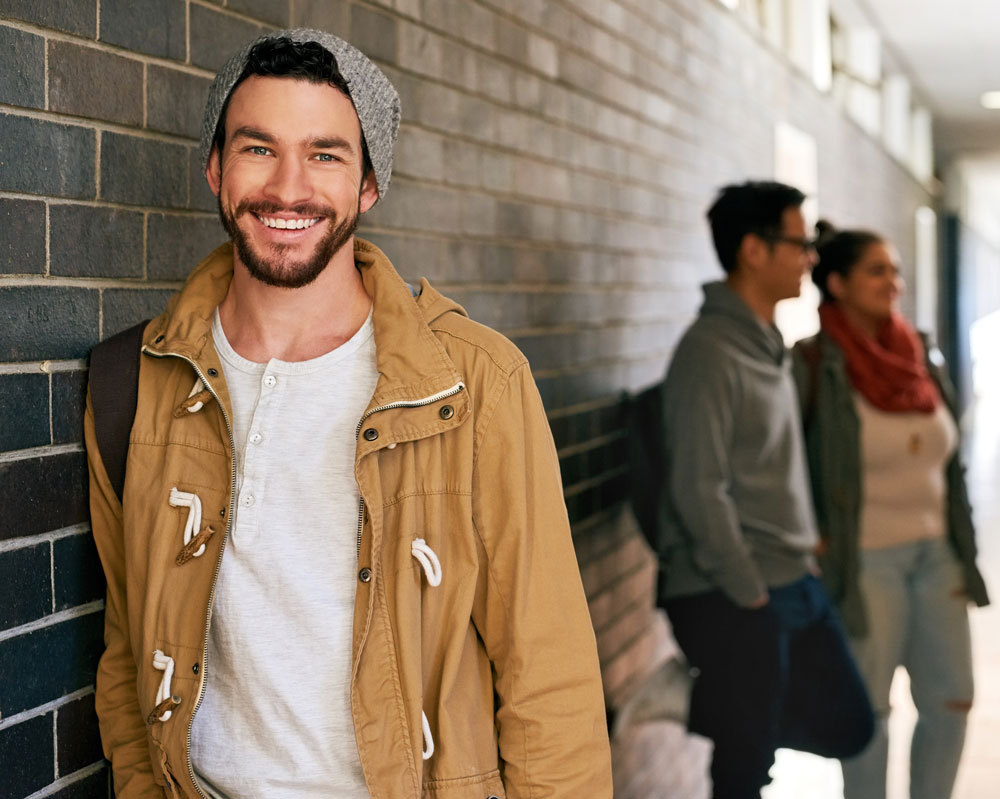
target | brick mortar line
x=229, y=12
x=605, y=662
x=96, y=125
x=551, y=287
x=48, y=450
x=109, y=204
x=583, y=407
x=42, y=367
x=64, y=782
x=616, y=582
x=590, y=444
x=52, y=34
x=14, y=544
x=600, y=363
x=77, y=612
x=595, y=521
x=41, y=710
x=575, y=328
x=603, y=477
x=25, y=281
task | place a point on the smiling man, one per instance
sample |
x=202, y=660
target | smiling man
x=341, y=566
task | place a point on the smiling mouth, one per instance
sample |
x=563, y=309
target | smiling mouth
x=280, y=223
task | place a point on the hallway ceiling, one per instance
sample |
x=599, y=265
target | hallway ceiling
x=951, y=51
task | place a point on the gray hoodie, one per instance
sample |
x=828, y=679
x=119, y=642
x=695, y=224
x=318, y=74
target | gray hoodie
x=738, y=514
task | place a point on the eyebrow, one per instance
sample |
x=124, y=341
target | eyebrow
x=318, y=143
x=253, y=133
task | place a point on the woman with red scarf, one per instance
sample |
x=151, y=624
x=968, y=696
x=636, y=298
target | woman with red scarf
x=898, y=546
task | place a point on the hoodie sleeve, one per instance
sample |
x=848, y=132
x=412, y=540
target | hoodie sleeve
x=534, y=621
x=698, y=411
x=123, y=729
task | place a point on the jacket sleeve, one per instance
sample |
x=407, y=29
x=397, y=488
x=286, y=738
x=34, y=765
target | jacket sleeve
x=534, y=620
x=698, y=417
x=123, y=730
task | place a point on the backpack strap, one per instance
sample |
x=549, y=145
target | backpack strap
x=811, y=355
x=114, y=392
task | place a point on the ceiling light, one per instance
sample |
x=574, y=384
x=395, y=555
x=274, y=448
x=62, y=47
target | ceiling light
x=991, y=100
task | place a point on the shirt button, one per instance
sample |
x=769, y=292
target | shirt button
x=365, y=575
x=255, y=438
x=248, y=500
x=270, y=381
x=370, y=434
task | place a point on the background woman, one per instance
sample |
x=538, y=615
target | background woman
x=898, y=542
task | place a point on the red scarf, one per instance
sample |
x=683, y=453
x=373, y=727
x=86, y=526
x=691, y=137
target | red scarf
x=888, y=371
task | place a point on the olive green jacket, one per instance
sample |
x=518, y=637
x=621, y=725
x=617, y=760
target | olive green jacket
x=832, y=434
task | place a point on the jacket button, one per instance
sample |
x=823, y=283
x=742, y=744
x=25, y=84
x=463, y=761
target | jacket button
x=365, y=575
x=196, y=668
x=370, y=434
x=159, y=339
x=213, y=372
x=447, y=412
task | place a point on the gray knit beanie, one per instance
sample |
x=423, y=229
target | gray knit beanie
x=374, y=98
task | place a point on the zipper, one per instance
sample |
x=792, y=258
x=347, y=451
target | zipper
x=218, y=563
x=458, y=388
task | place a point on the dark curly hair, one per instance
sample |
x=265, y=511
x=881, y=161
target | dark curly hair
x=284, y=58
x=753, y=207
x=839, y=251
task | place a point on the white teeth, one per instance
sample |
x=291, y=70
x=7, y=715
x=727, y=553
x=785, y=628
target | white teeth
x=287, y=224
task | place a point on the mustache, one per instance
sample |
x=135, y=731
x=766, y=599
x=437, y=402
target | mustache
x=264, y=208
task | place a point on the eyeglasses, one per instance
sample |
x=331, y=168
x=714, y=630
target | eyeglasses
x=806, y=245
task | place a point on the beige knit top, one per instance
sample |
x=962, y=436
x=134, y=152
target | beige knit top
x=904, y=487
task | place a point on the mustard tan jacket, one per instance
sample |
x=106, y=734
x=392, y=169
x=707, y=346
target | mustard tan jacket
x=454, y=448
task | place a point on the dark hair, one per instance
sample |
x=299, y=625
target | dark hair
x=752, y=207
x=838, y=251
x=282, y=57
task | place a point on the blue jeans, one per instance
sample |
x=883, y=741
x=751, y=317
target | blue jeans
x=780, y=676
x=918, y=618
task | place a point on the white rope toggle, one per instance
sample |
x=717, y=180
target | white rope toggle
x=428, y=559
x=428, y=738
x=166, y=665
x=182, y=499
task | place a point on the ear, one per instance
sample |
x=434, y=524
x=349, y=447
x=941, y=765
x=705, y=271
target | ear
x=369, y=192
x=753, y=251
x=836, y=285
x=213, y=170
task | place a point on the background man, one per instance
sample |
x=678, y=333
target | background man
x=342, y=565
x=738, y=574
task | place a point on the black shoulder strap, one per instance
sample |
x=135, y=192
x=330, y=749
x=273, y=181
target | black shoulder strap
x=114, y=391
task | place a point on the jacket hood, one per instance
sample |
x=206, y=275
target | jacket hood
x=750, y=335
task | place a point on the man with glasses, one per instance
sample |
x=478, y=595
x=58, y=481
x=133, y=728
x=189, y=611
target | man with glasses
x=738, y=573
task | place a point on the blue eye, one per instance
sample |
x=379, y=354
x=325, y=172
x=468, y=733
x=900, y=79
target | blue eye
x=325, y=157
x=258, y=150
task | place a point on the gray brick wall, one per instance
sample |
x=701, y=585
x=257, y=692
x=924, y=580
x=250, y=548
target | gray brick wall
x=554, y=163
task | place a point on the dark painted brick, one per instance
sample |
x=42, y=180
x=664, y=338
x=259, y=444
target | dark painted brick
x=24, y=407
x=94, y=786
x=40, y=322
x=22, y=237
x=74, y=16
x=49, y=663
x=124, y=307
x=149, y=26
x=25, y=585
x=176, y=244
x=87, y=82
x=216, y=36
x=77, y=735
x=94, y=242
x=265, y=10
x=162, y=167
x=42, y=494
x=200, y=197
x=322, y=14
x=22, y=64
x=374, y=34
x=69, y=394
x=26, y=751
x=79, y=578
x=175, y=100
x=39, y=157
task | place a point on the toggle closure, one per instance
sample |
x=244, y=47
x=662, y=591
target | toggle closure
x=165, y=701
x=427, y=558
x=183, y=499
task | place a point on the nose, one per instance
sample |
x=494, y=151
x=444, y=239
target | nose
x=288, y=183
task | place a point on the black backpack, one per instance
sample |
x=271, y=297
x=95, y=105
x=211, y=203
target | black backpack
x=647, y=457
x=114, y=391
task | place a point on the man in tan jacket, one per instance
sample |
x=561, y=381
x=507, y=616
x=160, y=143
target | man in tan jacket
x=342, y=565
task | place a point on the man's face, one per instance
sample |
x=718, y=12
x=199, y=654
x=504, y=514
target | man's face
x=789, y=259
x=289, y=184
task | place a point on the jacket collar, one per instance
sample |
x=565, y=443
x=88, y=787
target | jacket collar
x=412, y=363
x=762, y=339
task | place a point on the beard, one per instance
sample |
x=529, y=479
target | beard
x=277, y=267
